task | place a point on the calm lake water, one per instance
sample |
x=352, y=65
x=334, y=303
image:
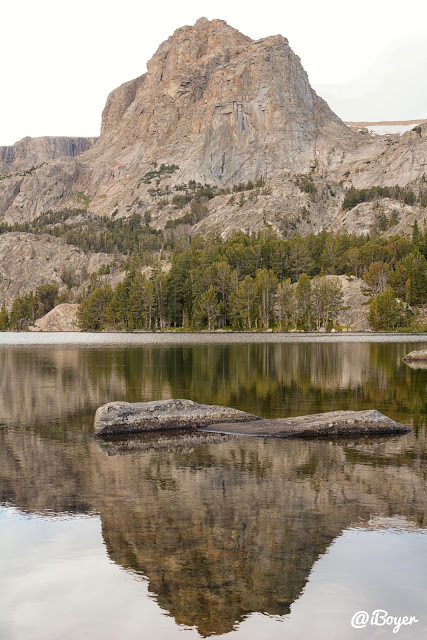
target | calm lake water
x=182, y=537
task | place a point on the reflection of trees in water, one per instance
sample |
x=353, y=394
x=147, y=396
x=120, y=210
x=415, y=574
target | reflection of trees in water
x=291, y=379
x=395, y=386
x=268, y=379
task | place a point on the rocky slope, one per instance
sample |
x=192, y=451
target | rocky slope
x=216, y=107
x=354, y=314
x=28, y=261
x=219, y=108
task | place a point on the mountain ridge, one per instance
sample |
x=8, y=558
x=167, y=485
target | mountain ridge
x=217, y=107
x=30, y=152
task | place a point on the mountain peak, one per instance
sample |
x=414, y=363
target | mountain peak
x=222, y=106
x=205, y=39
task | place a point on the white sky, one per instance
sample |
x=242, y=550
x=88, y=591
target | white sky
x=367, y=58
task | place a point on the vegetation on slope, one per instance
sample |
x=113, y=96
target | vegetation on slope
x=245, y=282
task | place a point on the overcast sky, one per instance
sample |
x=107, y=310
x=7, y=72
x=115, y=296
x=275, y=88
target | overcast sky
x=60, y=60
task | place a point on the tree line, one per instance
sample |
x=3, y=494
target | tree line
x=27, y=309
x=263, y=281
x=257, y=303
x=247, y=282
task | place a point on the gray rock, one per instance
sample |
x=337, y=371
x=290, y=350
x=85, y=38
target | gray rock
x=126, y=417
x=418, y=357
x=161, y=415
x=321, y=425
x=62, y=318
x=30, y=152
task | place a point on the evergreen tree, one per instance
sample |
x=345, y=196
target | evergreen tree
x=416, y=235
x=326, y=300
x=265, y=285
x=160, y=299
x=179, y=294
x=303, y=303
x=376, y=276
x=285, y=312
x=386, y=312
x=242, y=304
x=23, y=312
x=223, y=283
x=45, y=298
x=410, y=278
x=300, y=260
x=117, y=312
x=208, y=308
x=92, y=312
x=136, y=302
x=4, y=318
x=353, y=261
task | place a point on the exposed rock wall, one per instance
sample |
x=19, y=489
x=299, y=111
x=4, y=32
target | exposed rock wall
x=216, y=107
x=30, y=152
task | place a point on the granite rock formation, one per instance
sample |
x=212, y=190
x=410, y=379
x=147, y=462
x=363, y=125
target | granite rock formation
x=28, y=261
x=29, y=153
x=62, y=318
x=215, y=107
x=126, y=417
x=322, y=425
x=115, y=418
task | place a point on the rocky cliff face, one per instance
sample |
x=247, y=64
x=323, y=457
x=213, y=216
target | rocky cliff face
x=31, y=152
x=223, y=107
x=215, y=107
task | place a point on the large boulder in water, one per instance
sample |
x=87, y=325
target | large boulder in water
x=126, y=417
x=161, y=415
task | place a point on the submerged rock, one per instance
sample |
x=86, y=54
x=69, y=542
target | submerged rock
x=416, y=359
x=320, y=425
x=126, y=417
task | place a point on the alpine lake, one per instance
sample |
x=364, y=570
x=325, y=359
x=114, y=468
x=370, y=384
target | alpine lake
x=196, y=535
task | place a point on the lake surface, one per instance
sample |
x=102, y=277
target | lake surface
x=182, y=537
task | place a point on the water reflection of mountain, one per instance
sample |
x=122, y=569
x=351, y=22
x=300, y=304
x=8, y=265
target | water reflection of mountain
x=219, y=530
